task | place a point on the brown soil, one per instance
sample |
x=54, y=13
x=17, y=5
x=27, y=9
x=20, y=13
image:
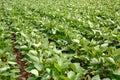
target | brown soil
x=20, y=63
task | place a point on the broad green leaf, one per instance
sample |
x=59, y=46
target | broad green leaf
x=117, y=71
x=23, y=47
x=104, y=45
x=35, y=72
x=34, y=52
x=94, y=61
x=59, y=68
x=71, y=74
x=6, y=67
x=111, y=60
x=45, y=43
x=76, y=40
x=39, y=67
x=73, y=67
x=34, y=58
x=96, y=77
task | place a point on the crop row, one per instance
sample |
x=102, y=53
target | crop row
x=70, y=40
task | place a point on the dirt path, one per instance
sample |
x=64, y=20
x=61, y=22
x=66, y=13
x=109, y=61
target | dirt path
x=20, y=63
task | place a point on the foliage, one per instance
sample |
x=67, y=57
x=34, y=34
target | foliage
x=61, y=39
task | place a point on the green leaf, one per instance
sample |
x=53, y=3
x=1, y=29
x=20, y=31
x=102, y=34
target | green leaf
x=6, y=67
x=104, y=45
x=77, y=68
x=94, y=61
x=64, y=78
x=55, y=74
x=45, y=43
x=35, y=72
x=71, y=74
x=39, y=67
x=111, y=60
x=34, y=52
x=34, y=58
x=73, y=67
x=117, y=71
x=24, y=47
x=117, y=55
x=11, y=62
x=96, y=77
x=117, y=51
x=23, y=34
x=59, y=68
x=117, y=58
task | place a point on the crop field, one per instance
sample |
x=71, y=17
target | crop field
x=59, y=39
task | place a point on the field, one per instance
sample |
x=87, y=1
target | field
x=59, y=39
